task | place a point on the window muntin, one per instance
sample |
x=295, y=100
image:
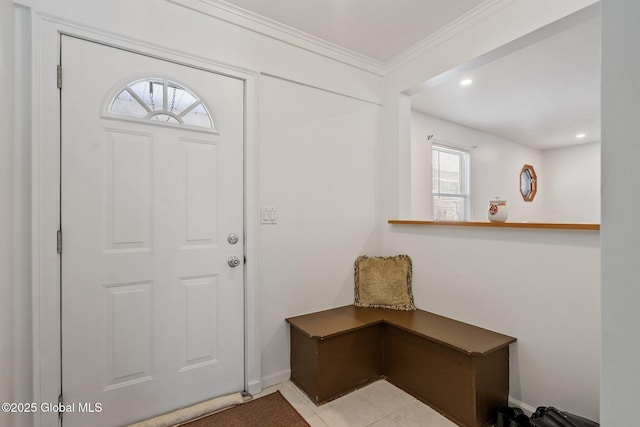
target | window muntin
x=161, y=100
x=450, y=183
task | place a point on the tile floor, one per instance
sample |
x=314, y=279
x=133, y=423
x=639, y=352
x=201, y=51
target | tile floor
x=380, y=404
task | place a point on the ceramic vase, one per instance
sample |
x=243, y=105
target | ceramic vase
x=497, y=210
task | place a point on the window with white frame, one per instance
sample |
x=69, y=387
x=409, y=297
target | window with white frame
x=450, y=180
x=161, y=101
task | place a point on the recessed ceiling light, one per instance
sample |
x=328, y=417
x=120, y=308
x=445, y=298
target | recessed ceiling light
x=466, y=82
x=581, y=135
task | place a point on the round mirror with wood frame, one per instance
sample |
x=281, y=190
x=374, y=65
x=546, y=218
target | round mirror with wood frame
x=528, y=183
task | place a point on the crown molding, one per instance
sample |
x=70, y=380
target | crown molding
x=226, y=12
x=235, y=15
x=449, y=31
x=257, y=23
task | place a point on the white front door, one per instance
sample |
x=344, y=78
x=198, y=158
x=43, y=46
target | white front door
x=152, y=312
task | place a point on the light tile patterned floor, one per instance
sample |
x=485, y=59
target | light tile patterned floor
x=380, y=404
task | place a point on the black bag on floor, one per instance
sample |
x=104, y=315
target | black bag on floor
x=511, y=417
x=552, y=417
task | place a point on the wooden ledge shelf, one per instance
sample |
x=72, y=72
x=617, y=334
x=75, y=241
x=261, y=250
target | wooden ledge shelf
x=547, y=225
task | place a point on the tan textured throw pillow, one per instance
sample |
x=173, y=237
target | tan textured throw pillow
x=384, y=282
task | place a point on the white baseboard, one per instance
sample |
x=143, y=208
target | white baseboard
x=528, y=409
x=277, y=378
x=254, y=387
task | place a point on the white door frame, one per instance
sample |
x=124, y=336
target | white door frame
x=45, y=34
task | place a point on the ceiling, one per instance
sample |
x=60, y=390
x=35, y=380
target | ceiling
x=378, y=29
x=539, y=93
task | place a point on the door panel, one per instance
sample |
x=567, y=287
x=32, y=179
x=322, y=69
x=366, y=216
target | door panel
x=128, y=193
x=152, y=315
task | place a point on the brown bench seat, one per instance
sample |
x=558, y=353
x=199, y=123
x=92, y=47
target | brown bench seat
x=459, y=369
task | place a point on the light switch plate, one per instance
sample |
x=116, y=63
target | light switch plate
x=268, y=216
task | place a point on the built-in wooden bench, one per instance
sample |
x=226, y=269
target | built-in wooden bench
x=459, y=369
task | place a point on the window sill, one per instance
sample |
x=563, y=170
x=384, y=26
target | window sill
x=547, y=225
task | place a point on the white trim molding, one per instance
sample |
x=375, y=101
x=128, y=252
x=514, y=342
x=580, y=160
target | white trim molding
x=44, y=36
x=277, y=378
x=235, y=15
x=243, y=18
x=528, y=409
x=449, y=31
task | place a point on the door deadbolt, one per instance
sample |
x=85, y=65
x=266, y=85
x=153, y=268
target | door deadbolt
x=232, y=238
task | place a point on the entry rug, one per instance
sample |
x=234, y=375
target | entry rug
x=271, y=410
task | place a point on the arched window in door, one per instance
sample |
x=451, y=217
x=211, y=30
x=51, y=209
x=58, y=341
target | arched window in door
x=161, y=100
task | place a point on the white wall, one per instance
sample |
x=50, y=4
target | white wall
x=317, y=156
x=572, y=178
x=620, y=212
x=568, y=177
x=22, y=344
x=542, y=286
x=562, y=297
x=167, y=25
x=6, y=210
x=495, y=167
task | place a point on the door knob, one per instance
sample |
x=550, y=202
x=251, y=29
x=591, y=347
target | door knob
x=233, y=261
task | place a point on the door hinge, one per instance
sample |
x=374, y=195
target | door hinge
x=59, y=241
x=59, y=77
x=60, y=405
